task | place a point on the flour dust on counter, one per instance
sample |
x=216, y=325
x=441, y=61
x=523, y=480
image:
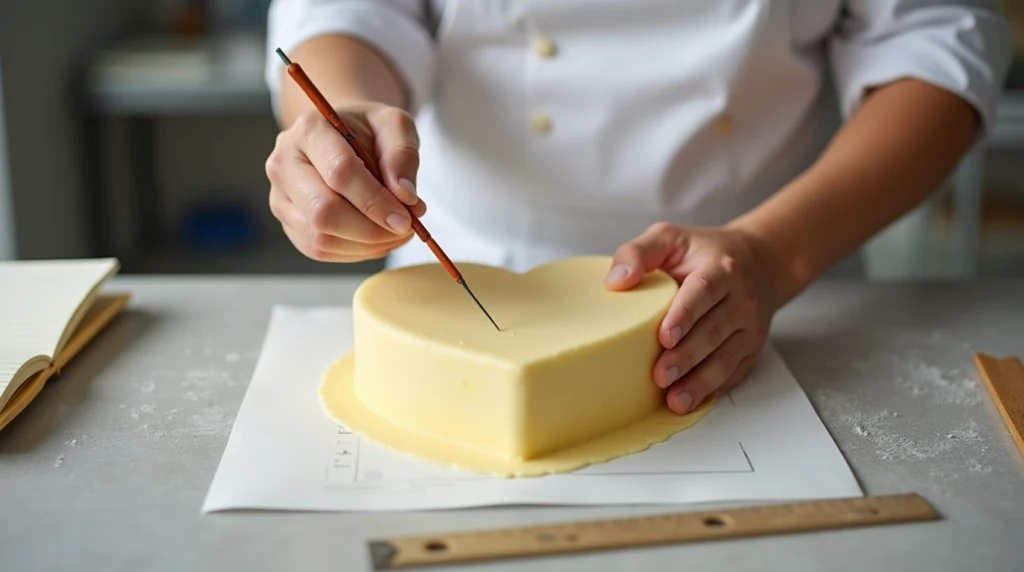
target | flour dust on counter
x=210, y=377
x=889, y=436
x=171, y=413
x=921, y=372
x=915, y=372
x=198, y=395
x=947, y=387
x=174, y=407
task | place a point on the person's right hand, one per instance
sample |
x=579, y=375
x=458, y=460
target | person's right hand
x=331, y=207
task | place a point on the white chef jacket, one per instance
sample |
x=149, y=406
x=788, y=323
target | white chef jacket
x=553, y=128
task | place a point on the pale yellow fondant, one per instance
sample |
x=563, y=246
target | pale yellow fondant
x=338, y=396
x=567, y=382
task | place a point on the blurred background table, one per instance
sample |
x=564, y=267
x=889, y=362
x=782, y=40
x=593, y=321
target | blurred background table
x=134, y=91
x=136, y=130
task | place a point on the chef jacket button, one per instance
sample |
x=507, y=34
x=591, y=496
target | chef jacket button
x=540, y=123
x=723, y=125
x=544, y=47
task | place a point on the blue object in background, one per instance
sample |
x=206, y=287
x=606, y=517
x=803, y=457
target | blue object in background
x=219, y=228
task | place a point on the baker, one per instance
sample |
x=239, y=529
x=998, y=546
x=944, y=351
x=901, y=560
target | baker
x=746, y=147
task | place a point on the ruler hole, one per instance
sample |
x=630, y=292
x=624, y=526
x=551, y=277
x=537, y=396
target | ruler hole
x=571, y=537
x=435, y=546
x=546, y=537
x=714, y=522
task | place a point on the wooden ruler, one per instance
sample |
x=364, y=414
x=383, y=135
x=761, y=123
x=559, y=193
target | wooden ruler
x=418, y=551
x=1005, y=381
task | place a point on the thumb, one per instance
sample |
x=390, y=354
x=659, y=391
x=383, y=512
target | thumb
x=398, y=148
x=647, y=252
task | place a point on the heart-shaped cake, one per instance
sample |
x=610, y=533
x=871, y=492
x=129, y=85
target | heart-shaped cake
x=566, y=382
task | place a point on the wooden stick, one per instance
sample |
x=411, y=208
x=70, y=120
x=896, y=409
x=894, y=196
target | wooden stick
x=318, y=99
x=1005, y=381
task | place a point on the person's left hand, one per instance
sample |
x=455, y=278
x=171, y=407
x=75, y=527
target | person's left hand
x=716, y=326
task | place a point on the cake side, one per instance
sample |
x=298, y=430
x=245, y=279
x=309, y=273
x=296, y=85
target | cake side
x=434, y=389
x=590, y=391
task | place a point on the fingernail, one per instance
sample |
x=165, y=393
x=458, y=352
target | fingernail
x=408, y=186
x=672, y=374
x=617, y=273
x=674, y=335
x=398, y=222
x=684, y=401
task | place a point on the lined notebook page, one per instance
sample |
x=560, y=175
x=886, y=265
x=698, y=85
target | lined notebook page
x=37, y=300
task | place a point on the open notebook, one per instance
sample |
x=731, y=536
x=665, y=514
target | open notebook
x=49, y=310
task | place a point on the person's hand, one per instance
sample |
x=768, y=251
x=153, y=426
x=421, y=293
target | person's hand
x=716, y=326
x=328, y=203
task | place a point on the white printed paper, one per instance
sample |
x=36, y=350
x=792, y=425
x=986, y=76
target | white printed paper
x=761, y=442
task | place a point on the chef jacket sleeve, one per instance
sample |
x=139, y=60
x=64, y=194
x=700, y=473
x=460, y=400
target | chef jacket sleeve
x=962, y=46
x=398, y=29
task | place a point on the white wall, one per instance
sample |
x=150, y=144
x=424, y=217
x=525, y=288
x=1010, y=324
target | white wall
x=45, y=43
x=7, y=245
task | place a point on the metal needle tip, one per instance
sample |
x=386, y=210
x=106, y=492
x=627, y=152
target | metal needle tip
x=284, y=58
x=481, y=306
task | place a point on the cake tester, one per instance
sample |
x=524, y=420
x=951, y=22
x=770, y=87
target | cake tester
x=332, y=117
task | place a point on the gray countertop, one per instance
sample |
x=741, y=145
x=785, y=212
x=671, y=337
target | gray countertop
x=108, y=468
